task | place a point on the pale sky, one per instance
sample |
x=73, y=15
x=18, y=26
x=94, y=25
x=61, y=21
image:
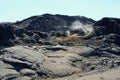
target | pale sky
x=13, y=10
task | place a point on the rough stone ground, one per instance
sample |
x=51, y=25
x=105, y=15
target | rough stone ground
x=57, y=63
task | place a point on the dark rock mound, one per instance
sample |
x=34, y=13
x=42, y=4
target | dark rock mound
x=107, y=26
x=37, y=30
x=49, y=22
x=6, y=34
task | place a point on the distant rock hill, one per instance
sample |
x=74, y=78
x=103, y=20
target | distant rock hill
x=46, y=28
x=48, y=22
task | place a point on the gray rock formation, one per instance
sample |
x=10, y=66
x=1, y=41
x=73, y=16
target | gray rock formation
x=52, y=62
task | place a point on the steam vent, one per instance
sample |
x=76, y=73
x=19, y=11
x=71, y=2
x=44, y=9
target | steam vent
x=60, y=47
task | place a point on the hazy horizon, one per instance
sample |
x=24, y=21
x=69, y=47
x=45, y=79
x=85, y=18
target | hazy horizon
x=16, y=10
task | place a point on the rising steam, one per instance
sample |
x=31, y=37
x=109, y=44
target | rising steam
x=79, y=26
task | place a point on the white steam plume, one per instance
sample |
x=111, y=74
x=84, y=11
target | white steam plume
x=77, y=26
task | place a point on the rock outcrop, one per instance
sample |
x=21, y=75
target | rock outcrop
x=107, y=26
